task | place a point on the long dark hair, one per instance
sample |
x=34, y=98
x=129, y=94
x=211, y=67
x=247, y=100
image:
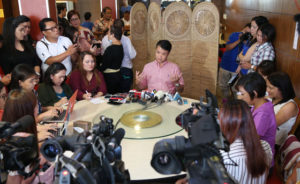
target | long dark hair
x=18, y=104
x=52, y=70
x=20, y=73
x=236, y=122
x=259, y=20
x=83, y=72
x=283, y=82
x=9, y=28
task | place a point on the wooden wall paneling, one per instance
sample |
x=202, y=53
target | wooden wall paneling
x=280, y=14
x=285, y=29
x=291, y=7
x=138, y=22
x=248, y=4
x=205, y=35
x=274, y=7
x=295, y=76
x=177, y=28
x=154, y=29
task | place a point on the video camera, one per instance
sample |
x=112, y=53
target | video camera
x=96, y=156
x=199, y=154
x=246, y=37
x=18, y=152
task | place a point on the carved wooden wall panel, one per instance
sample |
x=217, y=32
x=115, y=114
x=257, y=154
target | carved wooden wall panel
x=205, y=34
x=177, y=29
x=138, y=22
x=194, y=38
x=154, y=29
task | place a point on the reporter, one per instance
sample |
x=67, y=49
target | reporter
x=54, y=91
x=249, y=157
x=87, y=79
x=24, y=77
x=21, y=103
x=252, y=89
x=249, y=47
x=280, y=89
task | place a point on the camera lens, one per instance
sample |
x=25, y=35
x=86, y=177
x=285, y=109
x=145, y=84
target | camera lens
x=51, y=151
x=51, y=148
x=163, y=160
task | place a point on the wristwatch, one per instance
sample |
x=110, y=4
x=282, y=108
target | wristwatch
x=177, y=85
x=252, y=67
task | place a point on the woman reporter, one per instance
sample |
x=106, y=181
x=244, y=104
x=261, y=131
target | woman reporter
x=252, y=89
x=264, y=49
x=281, y=91
x=16, y=50
x=249, y=158
x=87, y=79
x=249, y=47
x=54, y=91
x=86, y=37
x=24, y=77
x=20, y=103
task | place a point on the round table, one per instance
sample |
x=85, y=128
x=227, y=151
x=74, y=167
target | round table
x=136, y=151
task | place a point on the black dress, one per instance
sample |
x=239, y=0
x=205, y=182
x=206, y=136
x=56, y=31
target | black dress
x=112, y=59
x=9, y=60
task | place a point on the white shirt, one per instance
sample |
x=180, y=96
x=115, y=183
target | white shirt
x=129, y=51
x=126, y=23
x=238, y=155
x=284, y=128
x=46, y=49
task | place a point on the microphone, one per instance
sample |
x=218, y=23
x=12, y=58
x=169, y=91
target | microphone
x=20, y=125
x=116, y=139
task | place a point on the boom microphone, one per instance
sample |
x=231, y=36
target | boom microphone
x=20, y=125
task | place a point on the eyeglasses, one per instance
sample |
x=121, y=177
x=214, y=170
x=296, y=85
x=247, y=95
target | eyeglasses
x=3, y=96
x=51, y=28
x=74, y=19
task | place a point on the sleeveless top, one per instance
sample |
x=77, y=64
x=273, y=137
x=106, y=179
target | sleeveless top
x=285, y=128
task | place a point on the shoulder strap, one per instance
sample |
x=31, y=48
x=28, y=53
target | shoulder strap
x=45, y=44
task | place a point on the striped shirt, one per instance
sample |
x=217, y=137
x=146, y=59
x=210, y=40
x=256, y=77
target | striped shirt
x=238, y=155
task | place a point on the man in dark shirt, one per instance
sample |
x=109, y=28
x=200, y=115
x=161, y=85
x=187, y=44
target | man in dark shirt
x=61, y=13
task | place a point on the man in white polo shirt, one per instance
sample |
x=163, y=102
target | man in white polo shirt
x=53, y=48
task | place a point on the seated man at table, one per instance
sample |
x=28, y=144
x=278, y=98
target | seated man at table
x=161, y=74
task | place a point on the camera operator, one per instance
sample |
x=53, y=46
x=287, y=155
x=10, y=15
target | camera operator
x=20, y=103
x=228, y=64
x=249, y=158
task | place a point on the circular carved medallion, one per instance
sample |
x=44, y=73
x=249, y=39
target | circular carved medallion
x=177, y=23
x=205, y=22
x=138, y=22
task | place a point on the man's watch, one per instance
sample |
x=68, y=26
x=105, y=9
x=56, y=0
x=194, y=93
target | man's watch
x=252, y=67
x=177, y=85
